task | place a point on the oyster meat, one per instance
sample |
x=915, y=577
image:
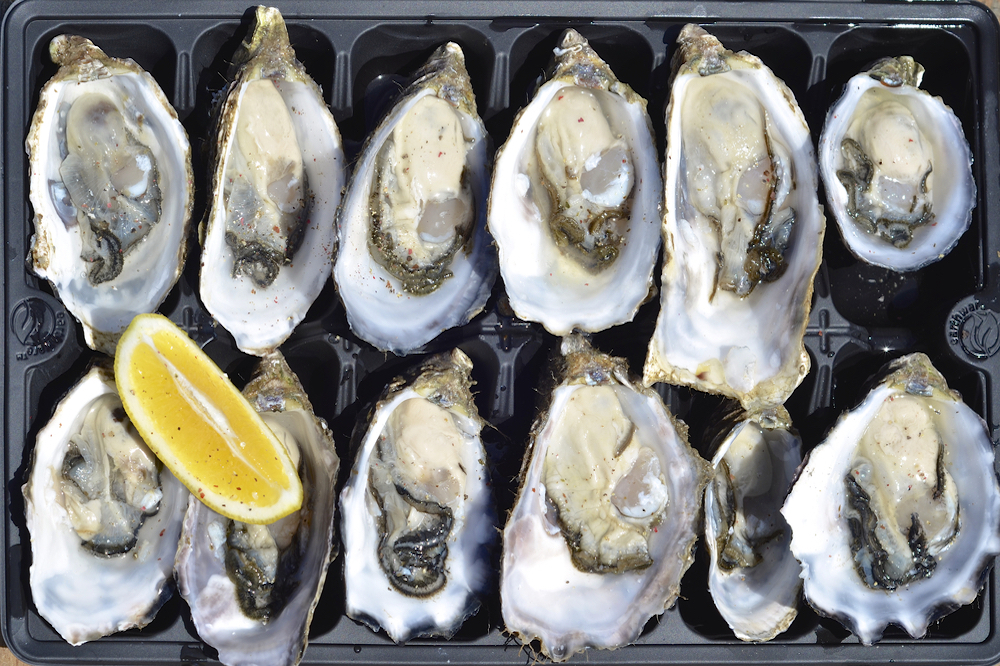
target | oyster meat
x=742, y=229
x=104, y=517
x=279, y=170
x=897, y=168
x=415, y=258
x=252, y=589
x=753, y=577
x=112, y=189
x=417, y=516
x=575, y=200
x=895, y=517
x=606, y=516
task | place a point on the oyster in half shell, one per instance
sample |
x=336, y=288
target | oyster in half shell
x=269, y=237
x=575, y=200
x=753, y=577
x=112, y=188
x=104, y=517
x=414, y=257
x=895, y=517
x=417, y=516
x=252, y=589
x=742, y=229
x=606, y=515
x=897, y=168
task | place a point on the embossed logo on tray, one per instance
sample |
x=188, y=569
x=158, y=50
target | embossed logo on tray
x=37, y=327
x=976, y=329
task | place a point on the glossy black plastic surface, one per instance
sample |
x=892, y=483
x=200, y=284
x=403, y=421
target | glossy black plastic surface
x=358, y=52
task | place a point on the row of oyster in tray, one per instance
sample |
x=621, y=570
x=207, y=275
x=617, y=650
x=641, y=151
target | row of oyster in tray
x=575, y=210
x=575, y=206
x=894, y=518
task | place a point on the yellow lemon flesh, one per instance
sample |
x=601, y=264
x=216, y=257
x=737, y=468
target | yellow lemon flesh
x=200, y=426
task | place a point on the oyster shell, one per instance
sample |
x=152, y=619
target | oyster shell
x=605, y=520
x=111, y=186
x=104, y=517
x=753, y=577
x=279, y=171
x=742, y=229
x=415, y=258
x=252, y=589
x=897, y=168
x=417, y=516
x=895, y=517
x=576, y=196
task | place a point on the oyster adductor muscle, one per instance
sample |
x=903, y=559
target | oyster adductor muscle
x=418, y=519
x=742, y=229
x=104, y=517
x=575, y=199
x=606, y=515
x=252, y=589
x=269, y=236
x=895, y=517
x=111, y=185
x=414, y=255
x=897, y=168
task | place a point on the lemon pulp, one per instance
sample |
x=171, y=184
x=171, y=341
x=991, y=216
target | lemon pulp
x=200, y=426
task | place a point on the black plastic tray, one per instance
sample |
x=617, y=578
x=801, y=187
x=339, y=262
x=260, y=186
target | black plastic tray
x=358, y=51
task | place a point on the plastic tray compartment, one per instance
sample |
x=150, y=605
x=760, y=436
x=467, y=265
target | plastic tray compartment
x=359, y=52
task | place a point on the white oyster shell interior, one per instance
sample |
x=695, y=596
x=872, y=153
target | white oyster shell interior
x=591, y=151
x=84, y=595
x=932, y=446
x=296, y=178
x=544, y=594
x=757, y=590
x=435, y=454
x=158, y=158
x=717, y=330
x=920, y=158
x=432, y=160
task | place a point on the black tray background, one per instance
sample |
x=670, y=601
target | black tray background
x=360, y=52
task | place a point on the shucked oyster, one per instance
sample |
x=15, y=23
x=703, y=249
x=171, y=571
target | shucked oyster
x=897, y=168
x=575, y=200
x=414, y=256
x=742, y=229
x=753, y=577
x=605, y=520
x=417, y=515
x=111, y=185
x=104, y=517
x=252, y=589
x=279, y=170
x=896, y=515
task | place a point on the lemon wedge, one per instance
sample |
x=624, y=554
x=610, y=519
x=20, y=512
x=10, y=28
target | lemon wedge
x=200, y=426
